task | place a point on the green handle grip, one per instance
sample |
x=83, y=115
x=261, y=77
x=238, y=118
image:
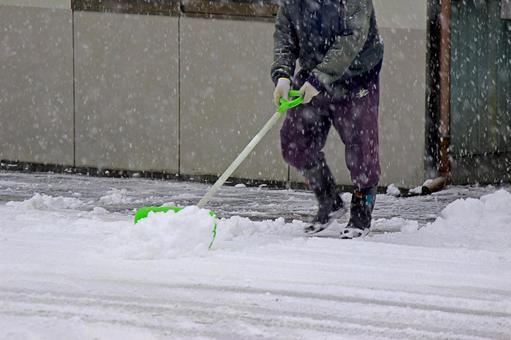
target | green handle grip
x=288, y=104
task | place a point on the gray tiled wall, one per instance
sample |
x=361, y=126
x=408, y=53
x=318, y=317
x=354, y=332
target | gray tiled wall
x=181, y=94
x=226, y=95
x=54, y=4
x=36, y=85
x=126, y=91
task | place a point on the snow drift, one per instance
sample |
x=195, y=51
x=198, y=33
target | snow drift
x=483, y=223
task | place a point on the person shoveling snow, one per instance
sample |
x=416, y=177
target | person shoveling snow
x=340, y=54
x=338, y=85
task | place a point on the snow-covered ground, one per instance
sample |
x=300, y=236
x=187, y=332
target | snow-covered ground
x=74, y=266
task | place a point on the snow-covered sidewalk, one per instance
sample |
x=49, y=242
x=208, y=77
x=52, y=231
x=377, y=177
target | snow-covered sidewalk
x=73, y=265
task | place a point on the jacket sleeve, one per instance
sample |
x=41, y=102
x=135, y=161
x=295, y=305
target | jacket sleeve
x=345, y=47
x=285, y=49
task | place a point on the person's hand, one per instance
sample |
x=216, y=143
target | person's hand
x=308, y=92
x=281, y=90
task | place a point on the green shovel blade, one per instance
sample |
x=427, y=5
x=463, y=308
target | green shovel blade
x=145, y=211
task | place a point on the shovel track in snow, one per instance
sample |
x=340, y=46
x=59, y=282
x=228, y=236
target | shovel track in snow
x=294, y=314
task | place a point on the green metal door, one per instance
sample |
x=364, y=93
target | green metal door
x=481, y=92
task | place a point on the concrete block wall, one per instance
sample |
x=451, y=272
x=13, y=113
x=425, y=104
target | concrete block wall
x=226, y=96
x=126, y=71
x=50, y=4
x=36, y=81
x=184, y=94
x=403, y=27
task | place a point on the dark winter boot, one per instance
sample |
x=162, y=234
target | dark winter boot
x=362, y=205
x=330, y=205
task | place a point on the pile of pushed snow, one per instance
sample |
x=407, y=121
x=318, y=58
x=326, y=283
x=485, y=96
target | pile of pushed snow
x=45, y=202
x=167, y=235
x=483, y=223
x=189, y=233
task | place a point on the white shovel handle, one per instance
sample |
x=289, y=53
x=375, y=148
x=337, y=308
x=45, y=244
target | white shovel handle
x=236, y=163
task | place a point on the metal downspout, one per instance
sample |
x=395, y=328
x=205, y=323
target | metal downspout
x=444, y=168
x=444, y=161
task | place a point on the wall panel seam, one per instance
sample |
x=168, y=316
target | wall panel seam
x=74, y=84
x=179, y=95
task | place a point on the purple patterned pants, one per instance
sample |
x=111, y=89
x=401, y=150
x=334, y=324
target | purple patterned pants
x=355, y=117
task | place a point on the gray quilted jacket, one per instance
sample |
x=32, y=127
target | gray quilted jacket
x=335, y=41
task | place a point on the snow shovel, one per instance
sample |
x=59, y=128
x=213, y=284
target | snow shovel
x=296, y=100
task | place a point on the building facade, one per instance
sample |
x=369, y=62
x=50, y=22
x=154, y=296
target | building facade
x=181, y=87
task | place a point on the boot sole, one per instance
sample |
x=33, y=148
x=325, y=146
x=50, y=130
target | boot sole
x=351, y=233
x=311, y=230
